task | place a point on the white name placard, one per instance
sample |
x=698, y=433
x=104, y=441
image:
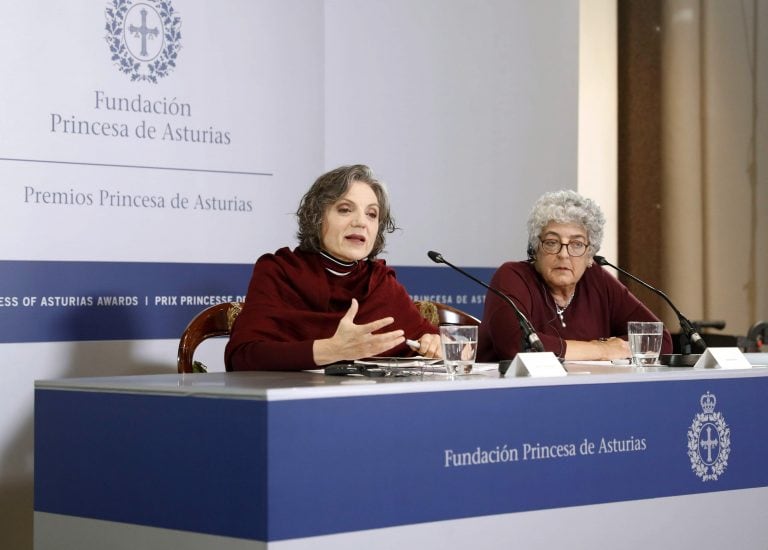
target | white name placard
x=724, y=358
x=537, y=364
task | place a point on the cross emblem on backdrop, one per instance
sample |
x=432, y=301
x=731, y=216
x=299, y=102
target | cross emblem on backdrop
x=144, y=31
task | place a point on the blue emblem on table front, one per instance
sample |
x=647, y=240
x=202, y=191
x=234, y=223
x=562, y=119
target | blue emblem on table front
x=144, y=37
x=709, y=441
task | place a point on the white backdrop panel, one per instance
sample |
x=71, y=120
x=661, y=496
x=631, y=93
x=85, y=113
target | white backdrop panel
x=467, y=109
x=241, y=78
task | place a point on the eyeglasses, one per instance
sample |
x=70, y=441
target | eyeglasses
x=553, y=246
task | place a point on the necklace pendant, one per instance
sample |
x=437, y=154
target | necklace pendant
x=561, y=310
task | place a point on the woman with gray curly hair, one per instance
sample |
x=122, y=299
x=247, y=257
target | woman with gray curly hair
x=579, y=311
x=330, y=299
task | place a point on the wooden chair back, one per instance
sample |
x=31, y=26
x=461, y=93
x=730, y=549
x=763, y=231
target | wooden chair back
x=443, y=314
x=213, y=321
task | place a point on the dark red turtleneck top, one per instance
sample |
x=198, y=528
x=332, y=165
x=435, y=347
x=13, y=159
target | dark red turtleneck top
x=294, y=300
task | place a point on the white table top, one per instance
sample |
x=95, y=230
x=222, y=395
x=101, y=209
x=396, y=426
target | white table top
x=276, y=386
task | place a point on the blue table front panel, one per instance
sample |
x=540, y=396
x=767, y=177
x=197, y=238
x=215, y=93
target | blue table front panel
x=192, y=464
x=299, y=468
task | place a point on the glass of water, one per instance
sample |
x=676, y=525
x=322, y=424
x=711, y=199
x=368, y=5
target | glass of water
x=459, y=345
x=645, y=342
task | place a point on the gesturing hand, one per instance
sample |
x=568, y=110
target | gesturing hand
x=351, y=341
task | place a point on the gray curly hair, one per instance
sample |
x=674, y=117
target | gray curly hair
x=328, y=189
x=566, y=206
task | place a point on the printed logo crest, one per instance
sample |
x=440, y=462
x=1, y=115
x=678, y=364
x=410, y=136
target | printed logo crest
x=144, y=37
x=709, y=441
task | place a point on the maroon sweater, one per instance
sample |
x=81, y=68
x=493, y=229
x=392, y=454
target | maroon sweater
x=293, y=300
x=601, y=308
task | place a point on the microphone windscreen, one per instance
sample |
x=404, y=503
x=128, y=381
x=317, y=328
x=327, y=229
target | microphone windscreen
x=435, y=257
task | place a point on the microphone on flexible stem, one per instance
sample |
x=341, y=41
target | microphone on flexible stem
x=531, y=340
x=687, y=327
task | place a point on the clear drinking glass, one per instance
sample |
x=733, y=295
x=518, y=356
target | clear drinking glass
x=645, y=342
x=459, y=345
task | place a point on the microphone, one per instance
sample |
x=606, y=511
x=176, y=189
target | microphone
x=531, y=340
x=687, y=327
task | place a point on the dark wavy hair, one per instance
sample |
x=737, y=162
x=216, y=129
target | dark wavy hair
x=328, y=189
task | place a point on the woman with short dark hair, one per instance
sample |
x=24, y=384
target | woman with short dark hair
x=330, y=299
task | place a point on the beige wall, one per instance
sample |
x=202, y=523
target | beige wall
x=597, y=169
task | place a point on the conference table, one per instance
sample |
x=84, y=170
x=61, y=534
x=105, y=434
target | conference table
x=604, y=457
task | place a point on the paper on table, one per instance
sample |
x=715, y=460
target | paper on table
x=398, y=361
